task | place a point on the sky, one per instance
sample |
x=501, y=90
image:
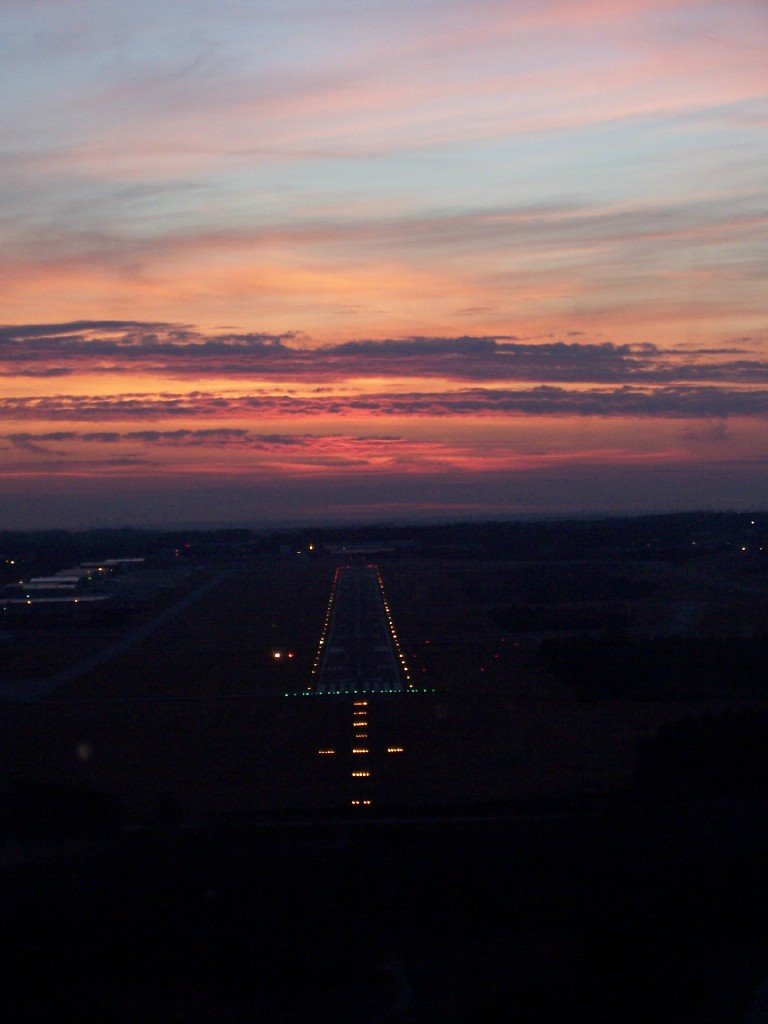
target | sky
x=308, y=261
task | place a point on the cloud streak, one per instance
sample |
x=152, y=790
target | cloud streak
x=159, y=349
x=240, y=454
x=670, y=402
x=235, y=452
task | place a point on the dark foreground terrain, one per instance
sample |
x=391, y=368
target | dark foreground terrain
x=568, y=818
x=623, y=914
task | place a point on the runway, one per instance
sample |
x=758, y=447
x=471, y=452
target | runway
x=359, y=652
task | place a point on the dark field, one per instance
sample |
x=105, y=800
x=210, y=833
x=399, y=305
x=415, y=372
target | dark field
x=540, y=851
x=194, y=717
x=619, y=916
x=49, y=640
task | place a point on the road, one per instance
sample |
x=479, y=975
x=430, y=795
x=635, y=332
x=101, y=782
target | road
x=359, y=651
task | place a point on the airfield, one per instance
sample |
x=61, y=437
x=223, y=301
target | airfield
x=200, y=719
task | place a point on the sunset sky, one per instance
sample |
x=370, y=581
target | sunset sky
x=305, y=261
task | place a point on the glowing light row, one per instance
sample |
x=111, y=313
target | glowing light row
x=393, y=632
x=326, y=624
x=346, y=693
x=360, y=722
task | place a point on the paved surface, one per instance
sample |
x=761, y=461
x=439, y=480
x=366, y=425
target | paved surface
x=359, y=651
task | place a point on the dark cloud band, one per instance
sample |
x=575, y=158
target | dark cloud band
x=672, y=402
x=155, y=349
